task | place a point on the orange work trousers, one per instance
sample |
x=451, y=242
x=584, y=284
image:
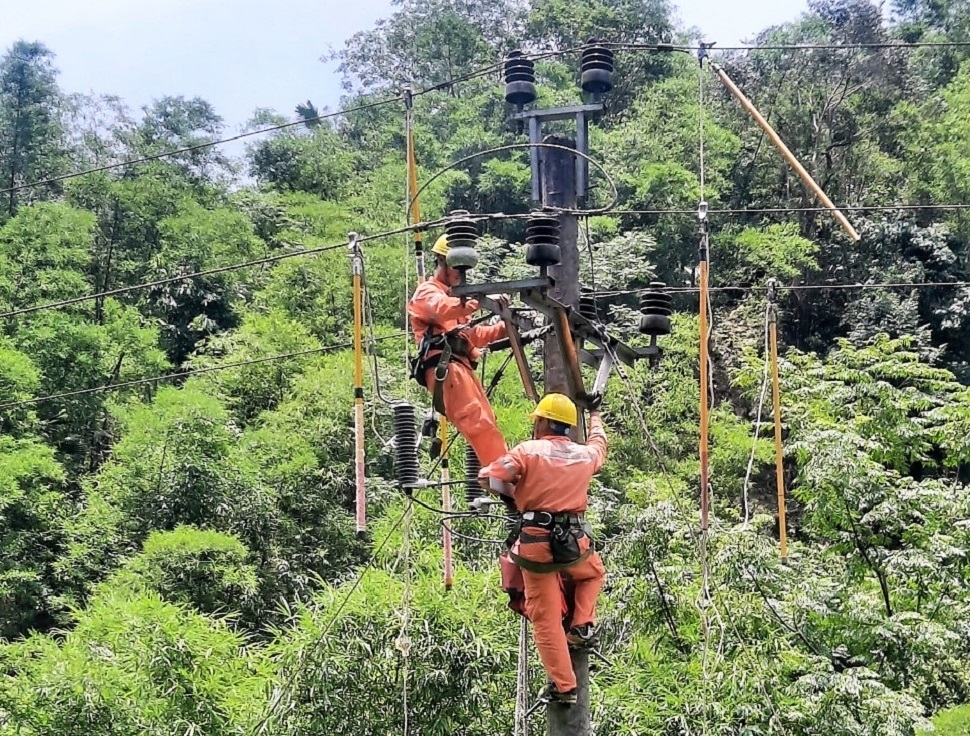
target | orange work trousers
x=544, y=608
x=467, y=407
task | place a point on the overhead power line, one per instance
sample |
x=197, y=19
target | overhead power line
x=184, y=374
x=208, y=272
x=282, y=126
x=794, y=287
x=484, y=71
x=196, y=147
x=667, y=47
x=785, y=210
x=844, y=46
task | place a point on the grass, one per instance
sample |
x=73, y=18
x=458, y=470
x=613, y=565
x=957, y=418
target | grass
x=953, y=722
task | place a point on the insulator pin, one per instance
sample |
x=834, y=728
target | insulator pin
x=597, y=69
x=655, y=309
x=542, y=239
x=520, y=79
x=462, y=236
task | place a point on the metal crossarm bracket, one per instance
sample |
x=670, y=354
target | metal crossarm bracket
x=583, y=328
x=520, y=321
x=532, y=293
x=478, y=291
x=581, y=114
x=558, y=113
x=572, y=331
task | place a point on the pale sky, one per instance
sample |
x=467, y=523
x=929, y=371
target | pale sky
x=244, y=54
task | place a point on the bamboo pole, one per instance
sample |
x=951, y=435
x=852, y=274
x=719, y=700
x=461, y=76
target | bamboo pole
x=783, y=149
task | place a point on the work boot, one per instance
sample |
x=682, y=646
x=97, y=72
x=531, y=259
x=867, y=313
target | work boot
x=582, y=637
x=553, y=693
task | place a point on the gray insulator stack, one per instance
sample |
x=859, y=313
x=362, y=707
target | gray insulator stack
x=406, y=445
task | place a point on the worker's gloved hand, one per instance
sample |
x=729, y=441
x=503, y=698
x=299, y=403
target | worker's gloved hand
x=501, y=299
x=593, y=402
x=601, y=332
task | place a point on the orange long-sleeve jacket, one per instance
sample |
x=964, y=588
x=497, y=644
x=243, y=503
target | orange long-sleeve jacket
x=552, y=473
x=432, y=307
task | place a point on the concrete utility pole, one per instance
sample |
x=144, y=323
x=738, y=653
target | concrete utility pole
x=560, y=178
x=559, y=190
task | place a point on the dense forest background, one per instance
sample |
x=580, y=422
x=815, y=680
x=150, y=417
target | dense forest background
x=177, y=552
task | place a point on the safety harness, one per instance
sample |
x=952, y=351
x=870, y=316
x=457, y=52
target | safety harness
x=565, y=531
x=452, y=346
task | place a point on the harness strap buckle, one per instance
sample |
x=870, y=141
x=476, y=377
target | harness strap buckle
x=540, y=518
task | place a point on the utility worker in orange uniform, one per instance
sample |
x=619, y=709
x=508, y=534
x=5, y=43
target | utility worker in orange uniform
x=548, y=477
x=448, y=351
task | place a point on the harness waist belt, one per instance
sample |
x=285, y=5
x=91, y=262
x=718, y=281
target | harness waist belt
x=459, y=346
x=548, y=518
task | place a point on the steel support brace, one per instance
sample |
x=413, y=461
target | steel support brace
x=533, y=294
x=584, y=329
x=518, y=354
x=567, y=347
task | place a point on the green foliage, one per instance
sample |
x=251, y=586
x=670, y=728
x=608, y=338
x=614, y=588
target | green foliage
x=32, y=145
x=132, y=664
x=195, y=240
x=174, y=465
x=305, y=162
x=460, y=664
x=33, y=507
x=201, y=568
x=44, y=254
x=776, y=249
x=154, y=525
x=250, y=389
x=952, y=722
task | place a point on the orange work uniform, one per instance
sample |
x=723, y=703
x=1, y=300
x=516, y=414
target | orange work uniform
x=552, y=474
x=466, y=406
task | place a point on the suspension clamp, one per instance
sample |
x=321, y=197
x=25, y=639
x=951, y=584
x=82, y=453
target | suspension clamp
x=702, y=48
x=408, y=95
x=772, y=289
x=772, y=297
x=702, y=230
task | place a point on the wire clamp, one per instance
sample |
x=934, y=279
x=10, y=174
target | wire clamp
x=772, y=290
x=702, y=49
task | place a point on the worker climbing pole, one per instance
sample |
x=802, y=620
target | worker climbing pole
x=551, y=570
x=561, y=589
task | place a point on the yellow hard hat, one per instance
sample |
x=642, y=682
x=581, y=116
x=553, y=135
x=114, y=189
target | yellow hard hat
x=556, y=408
x=441, y=246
